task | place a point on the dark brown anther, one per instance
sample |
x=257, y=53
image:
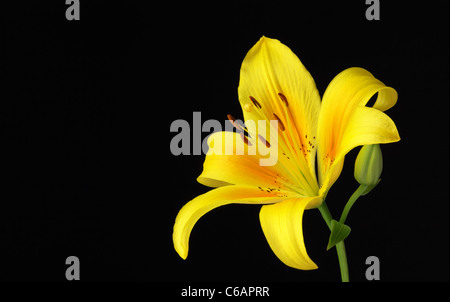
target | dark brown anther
x=264, y=140
x=235, y=124
x=284, y=99
x=245, y=139
x=255, y=102
x=280, y=123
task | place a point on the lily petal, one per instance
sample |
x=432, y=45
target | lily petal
x=199, y=206
x=345, y=122
x=282, y=226
x=274, y=85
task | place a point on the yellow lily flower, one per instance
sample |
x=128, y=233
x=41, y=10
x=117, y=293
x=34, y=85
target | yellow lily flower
x=274, y=85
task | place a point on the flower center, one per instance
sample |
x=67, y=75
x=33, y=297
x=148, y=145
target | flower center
x=294, y=145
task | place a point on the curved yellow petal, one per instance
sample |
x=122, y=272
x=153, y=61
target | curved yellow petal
x=199, y=206
x=274, y=85
x=282, y=226
x=231, y=161
x=345, y=122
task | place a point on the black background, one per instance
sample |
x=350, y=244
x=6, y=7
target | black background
x=86, y=108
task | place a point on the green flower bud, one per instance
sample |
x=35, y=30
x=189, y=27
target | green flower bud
x=368, y=165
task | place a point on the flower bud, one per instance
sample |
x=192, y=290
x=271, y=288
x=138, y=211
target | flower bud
x=368, y=165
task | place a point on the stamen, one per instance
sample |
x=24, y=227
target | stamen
x=280, y=123
x=284, y=99
x=235, y=124
x=231, y=118
x=255, y=102
x=245, y=139
x=264, y=140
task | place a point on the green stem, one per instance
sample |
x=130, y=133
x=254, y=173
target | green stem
x=326, y=215
x=340, y=247
x=361, y=189
x=342, y=256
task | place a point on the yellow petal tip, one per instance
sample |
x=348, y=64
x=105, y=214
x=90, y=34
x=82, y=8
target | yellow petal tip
x=182, y=252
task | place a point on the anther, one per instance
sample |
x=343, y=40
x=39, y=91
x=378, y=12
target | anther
x=231, y=118
x=284, y=99
x=255, y=102
x=280, y=123
x=235, y=124
x=264, y=140
x=245, y=139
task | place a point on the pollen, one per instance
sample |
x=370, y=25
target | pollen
x=284, y=99
x=255, y=102
x=245, y=139
x=235, y=124
x=264, y=140
x=231, y=118
x=280, y=123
